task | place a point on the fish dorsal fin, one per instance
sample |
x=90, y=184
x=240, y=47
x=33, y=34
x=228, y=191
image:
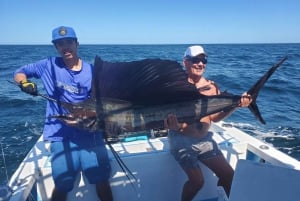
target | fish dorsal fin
x=99, y=63
x=148, y=81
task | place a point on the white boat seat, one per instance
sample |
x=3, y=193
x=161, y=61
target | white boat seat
x=255, y=181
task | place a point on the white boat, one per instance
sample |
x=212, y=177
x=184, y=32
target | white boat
x=262, y=173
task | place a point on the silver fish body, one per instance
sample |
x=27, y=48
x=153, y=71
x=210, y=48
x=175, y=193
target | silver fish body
x=134, y=96
x=138, y=117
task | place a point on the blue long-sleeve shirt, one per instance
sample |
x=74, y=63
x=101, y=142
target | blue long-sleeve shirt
x=65, y=85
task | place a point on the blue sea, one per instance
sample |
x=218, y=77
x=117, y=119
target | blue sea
x=234, y=67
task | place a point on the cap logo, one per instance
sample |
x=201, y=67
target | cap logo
x=62, y=31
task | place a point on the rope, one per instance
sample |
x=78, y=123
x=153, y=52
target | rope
x=4, y=162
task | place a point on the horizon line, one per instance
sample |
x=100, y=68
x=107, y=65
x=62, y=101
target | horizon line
x=237, y=43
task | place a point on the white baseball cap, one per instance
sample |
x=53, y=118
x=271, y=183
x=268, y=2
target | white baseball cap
x=193, y=51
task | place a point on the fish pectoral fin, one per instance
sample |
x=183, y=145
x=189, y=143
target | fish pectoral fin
x=68, y=119
x=63, y=116
x=86, y=123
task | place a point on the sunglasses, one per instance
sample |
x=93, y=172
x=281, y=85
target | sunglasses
x=63, y=42
x=196, y=60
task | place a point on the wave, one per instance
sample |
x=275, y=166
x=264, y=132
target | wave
x=286, y=139
x=233, y=67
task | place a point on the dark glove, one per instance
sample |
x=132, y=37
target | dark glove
x=29, y=87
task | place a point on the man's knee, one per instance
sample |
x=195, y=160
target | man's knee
x=64, y=184
x=196, y=184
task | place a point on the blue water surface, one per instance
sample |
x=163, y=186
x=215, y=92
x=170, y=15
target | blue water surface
x=234, y=67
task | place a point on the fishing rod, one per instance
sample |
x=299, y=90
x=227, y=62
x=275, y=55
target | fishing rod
x=5, y=190
x=120, y=162
x=4, y=161
x=39, y=94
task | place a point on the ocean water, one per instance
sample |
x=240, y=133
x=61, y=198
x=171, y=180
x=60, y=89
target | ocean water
x=234, y=67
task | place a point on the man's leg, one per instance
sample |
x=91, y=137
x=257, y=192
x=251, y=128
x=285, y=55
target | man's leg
x=65, y=166
x=58, y=196
x=193, y=185
x=96, y=167
x=223, y=171
x=104, y=191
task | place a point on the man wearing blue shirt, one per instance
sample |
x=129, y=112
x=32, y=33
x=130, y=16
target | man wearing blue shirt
x=68, y=79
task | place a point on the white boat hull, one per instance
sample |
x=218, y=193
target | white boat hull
x=159, y=177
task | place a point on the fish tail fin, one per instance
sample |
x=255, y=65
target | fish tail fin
x=254, y=109
x=255, y=89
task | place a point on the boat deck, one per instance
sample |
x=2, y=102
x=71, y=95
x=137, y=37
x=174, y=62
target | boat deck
x=158, y=175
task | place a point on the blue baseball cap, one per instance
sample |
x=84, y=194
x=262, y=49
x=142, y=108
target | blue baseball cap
x=63, y=32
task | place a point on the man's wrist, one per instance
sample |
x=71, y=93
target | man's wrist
x=181, y=126
x=22, y=81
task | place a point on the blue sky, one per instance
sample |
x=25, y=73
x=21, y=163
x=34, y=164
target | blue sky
x=152, y=21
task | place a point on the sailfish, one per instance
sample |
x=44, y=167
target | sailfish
x=138, y=95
